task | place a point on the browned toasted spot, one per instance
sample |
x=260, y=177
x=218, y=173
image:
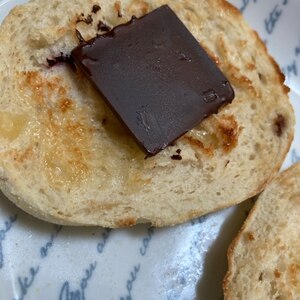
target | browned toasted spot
x=34, y=83
x=232, y=72
x=277, y=274
x=42, y=87
x=251, y=66
x=76, y=129
x=127, y=222
x=240, y=80
x=228, y=131
x=32, y=78
x=78, y=153
x=54, y=84
x=249, y=236
x=65, y=104
x=220, y=43
x=218, y=132
x=144, y=7
x=118, y=8
x=199, y=145
x=80, y=130
x=21, y=156
x=50, y=118
x=294, y=274
x=242, y=43
x=138, y=8
x=279, y=125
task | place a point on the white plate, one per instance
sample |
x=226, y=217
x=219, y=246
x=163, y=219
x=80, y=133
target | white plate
x=42, y=261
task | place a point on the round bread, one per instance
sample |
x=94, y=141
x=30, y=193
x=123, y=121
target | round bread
x=65, y=158
x=264, y=259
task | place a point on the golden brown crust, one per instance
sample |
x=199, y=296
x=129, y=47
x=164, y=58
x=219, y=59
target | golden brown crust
x=280, y=75
x=228, y=130
x=229, y=8
x=127, y=222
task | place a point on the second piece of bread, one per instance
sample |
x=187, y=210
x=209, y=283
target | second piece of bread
x=264, y=259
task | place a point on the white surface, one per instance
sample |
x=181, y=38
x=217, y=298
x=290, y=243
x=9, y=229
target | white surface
x=41, y=261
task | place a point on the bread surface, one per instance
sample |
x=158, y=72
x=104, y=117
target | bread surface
x=66, y=159
x=264, y=259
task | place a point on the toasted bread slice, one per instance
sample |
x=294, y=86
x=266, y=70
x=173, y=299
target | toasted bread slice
x=65, y=158
x=264, y=259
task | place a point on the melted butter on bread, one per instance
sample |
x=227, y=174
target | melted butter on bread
x=12, y=124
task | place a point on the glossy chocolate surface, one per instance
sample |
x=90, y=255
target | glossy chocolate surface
x=155, y=76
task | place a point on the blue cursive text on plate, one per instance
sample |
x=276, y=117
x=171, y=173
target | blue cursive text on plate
x=26, y=282
x=291, y=69
x=245, y=4
x=79, y=294
x=7, y=227
x=44, y=250
x=146, y=241
x=133, y=274
x=104, y=238
x=199, y=220
x=297, y=50
x=274, y=16
x=130, y=281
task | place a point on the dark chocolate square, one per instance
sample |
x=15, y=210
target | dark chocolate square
x=155, y=76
